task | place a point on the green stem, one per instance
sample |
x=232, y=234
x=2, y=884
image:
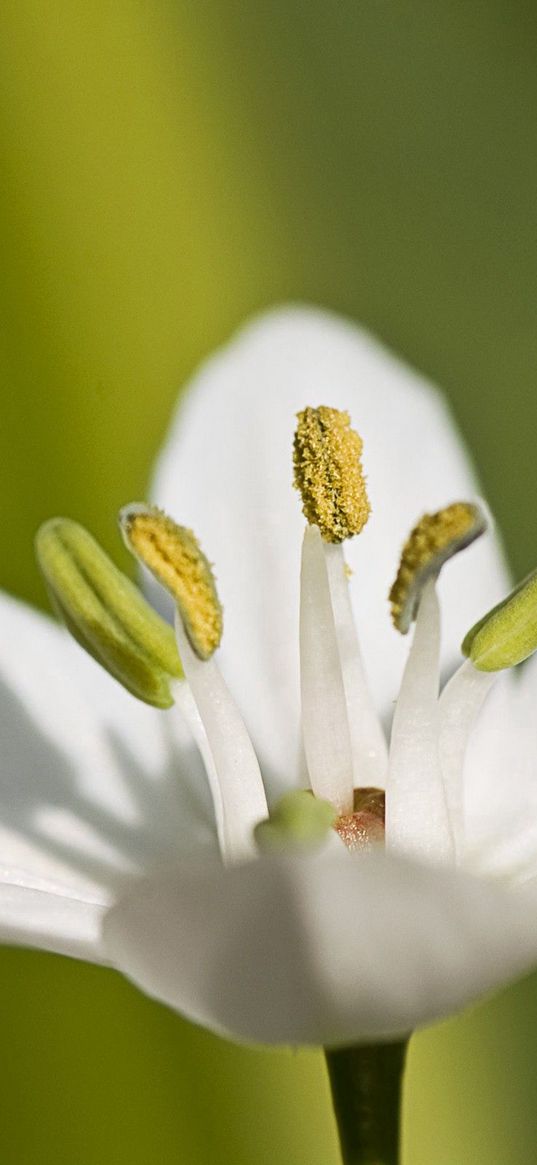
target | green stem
x=366, y=1090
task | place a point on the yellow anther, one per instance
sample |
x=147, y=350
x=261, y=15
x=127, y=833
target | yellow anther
x=434, y=539
x=173, y=555
x=328, y=473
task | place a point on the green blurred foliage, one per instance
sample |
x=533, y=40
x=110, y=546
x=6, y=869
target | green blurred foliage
x=168, y=168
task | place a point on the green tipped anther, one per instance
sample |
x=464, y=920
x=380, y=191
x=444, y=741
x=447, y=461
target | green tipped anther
x=298, y=821
x=106, y=613
x=508, y=634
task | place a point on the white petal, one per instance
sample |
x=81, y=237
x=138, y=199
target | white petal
x=320, y=951
x=416, y=809
x=51, y=922
x=95, y=787
x=226, y=471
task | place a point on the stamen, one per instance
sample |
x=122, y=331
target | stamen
x=434, y=539
x=459, y=705
x=233, y=770
x=325, y=726
x=173, y=554
x=328, y=473
x=368, y=743
x=416, y=811
x=185, y=702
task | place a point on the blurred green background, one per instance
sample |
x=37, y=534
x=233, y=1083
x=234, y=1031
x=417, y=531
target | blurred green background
x=167, y=169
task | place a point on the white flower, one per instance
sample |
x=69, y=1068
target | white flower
x=108, y=846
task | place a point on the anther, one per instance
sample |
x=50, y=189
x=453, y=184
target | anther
x=507, y=635
x=328, y=473
x=106, y=613
x=435, y=539
x=174, y=556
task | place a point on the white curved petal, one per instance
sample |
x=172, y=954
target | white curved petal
x=95, y=787
x=310, y=951
x=51, y=922
x=226, y=471
x=500, y=777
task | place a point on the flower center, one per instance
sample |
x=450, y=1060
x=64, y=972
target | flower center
x=364, y=827
x=344, y=744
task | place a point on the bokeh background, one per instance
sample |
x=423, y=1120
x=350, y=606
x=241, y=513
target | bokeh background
x=169, y=167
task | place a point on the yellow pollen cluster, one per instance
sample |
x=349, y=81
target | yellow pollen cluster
x=173, y=555
x=434, y=539
x=328, y=473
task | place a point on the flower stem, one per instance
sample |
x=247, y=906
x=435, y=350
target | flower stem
x=366, y=1091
